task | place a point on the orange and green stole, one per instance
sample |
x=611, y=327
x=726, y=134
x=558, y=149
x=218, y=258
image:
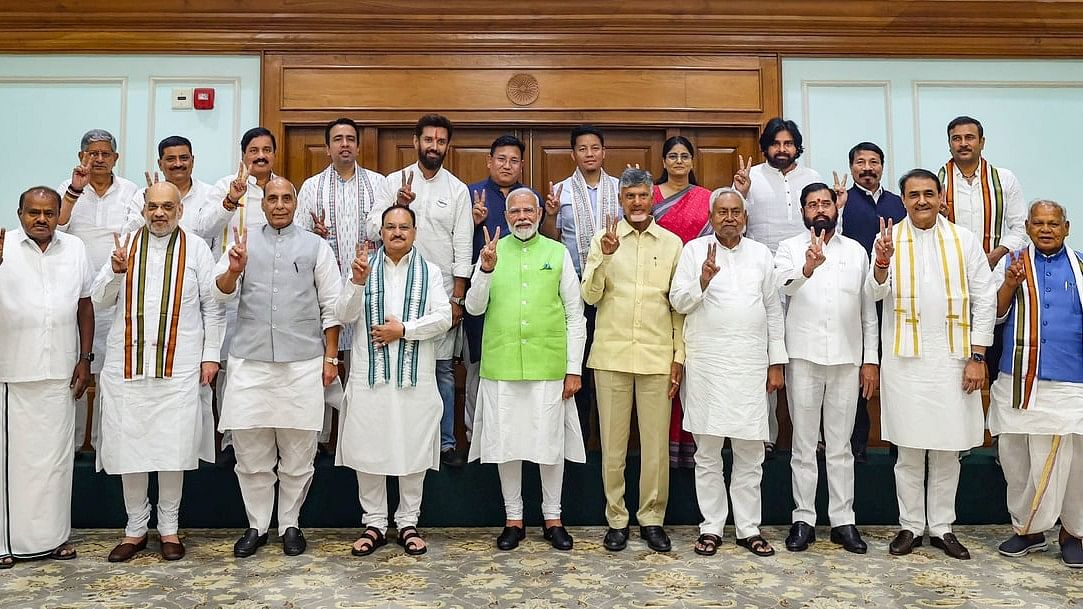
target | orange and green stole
x=135, y=300
x=992, y=195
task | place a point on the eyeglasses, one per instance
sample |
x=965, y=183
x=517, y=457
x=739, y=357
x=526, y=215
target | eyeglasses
x=674, y=157
x=503, y=160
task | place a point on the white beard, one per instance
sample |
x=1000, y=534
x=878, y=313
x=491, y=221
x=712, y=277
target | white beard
x=525, y=234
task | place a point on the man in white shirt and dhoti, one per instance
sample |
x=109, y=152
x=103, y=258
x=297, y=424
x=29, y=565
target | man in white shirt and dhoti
x=284, y=352
x=160, y=358
x=396, y=302
x=1036, y=404
x=939, y=307
x=47, y=329
x=734, y=356
x=531, y=362
x=832, y=339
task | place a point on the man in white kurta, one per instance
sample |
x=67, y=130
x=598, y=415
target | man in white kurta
x=531, y=362
x=445, y=236
x=46, y=329
x=97, y=203
x=391, y=426
x=1036, y=404
x=939, y=308
x=176, y=161
x=284, y=352
x=161, y=355
x=734, y=354
x=832, y=339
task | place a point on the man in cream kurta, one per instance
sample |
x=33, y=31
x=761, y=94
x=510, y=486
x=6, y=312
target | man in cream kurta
x=46, y=328
x=391, y=426
x=1036, y=404
x=531, y=362
x=734, y=354
x=283, y=354
x=939, y=307
x=161, y=355
x=638, y=351
x=831, y=338
x=445, y=236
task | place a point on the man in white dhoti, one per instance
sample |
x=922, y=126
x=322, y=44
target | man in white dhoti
x=284, y=352
x=391, y=425
x=939, y=306
x=161, y=356
x=1036, y=406
x=734, y=354
x=47, y=330
x=531, y=362
x=832, y=340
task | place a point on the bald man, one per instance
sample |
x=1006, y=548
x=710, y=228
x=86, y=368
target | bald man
x=161, y=355
x=282, y=356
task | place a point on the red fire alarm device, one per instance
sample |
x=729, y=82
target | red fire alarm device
x=203, y=99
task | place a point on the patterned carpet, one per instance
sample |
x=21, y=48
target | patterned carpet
x=463, y=569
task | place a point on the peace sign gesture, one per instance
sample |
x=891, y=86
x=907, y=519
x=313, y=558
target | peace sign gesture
x=741, y=180
x=238, y=188
x=319, y=225
x=360, y=268
x=119, y=259
x=884, y=246
x=157, y=178
x=238, y=253
x=840, y=189
x=709, y=269
x=1016, y=272
x=552, y=200
x=80, y=176
x=3, y=232
x=406, y=194
x=610, y=240
x=487, y=257
x=814, y=255
x=479, y=211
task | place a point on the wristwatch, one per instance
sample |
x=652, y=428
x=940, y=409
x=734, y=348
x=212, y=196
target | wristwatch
x=459, y=300
x=87, y=356
x=978, y=357
x=334, y=361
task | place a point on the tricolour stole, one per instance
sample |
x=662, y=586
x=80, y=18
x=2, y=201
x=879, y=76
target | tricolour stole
x=992, y=195
x=169, y=309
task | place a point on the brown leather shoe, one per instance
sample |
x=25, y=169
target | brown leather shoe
x=172, y=551
x=903, y=544
x=951, y=546
x=125, y=551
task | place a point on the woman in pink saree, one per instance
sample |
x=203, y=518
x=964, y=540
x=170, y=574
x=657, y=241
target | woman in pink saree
x=684, y=208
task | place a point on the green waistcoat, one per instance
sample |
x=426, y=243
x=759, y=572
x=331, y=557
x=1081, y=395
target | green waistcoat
x=526, y=335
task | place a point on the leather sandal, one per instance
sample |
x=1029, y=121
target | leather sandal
x=66, y=551
x=376, y=540
x=757, y=545
x=6, y=562
x=413, y=549
x=707, y=544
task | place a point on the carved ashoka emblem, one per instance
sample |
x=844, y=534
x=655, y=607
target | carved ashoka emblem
x=523, y=89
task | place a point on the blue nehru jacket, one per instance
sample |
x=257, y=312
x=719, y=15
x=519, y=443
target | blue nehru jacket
x=861, y=216
x=1062, y=321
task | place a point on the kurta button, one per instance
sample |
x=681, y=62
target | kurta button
x=278, y=255
x=276, y=290
x=274, y=308
x=524, y=341
x=274, y=327
x=524, y=302
x=1049, y=289
x=524, y=285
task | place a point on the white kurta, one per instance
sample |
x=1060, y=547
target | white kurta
x=922, y=402
x=774, y=203
x=192, y=201
x=387, y=429
x=529, y=420
x=150, y=424
x=445, y=229
x=969, y=206
x=732, y=332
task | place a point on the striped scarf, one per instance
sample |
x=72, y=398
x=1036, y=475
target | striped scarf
x=1028, y=320
x=992, y=195
x=417, y=289
x=345, y=219
x=169, y=307
x=587, y=220
x=908, y=298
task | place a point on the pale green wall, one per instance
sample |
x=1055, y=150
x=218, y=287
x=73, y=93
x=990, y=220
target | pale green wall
x=1030, y=110
x=49, y=101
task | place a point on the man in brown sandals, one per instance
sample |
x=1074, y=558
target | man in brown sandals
x=391, y=417
x=47, y=329
x=734, y=349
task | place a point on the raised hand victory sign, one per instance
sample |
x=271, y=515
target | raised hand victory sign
x=406, y=194
x=487, y=257
x=709, y=269
x=1016, y=273
x=741, y=180
x=884, y=246
x=479, y=211
x=814, y=255
x=360, y=268
x=552, y=200
x=840, y=189
x=610, y=240
x=3, y=232
x=238, y=188
x=319, y=224
x=238, y=253
x=119, y=259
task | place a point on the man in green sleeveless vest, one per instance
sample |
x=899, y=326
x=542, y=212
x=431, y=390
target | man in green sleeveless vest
x=531, y=361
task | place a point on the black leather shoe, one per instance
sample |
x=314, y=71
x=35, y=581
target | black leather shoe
x=849, y=538
x=510, y=537
x=951, y=546
x=903, y=544
x=293, y=542
x=656, y=538
x=559, y=537
x=801, y=535
x=452, y=457
x=616, y=539
x=1021, y=545
x=249, y=543
x=1071, y=552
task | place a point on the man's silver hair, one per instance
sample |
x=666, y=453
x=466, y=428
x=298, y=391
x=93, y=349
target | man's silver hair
x=1047, y=203
x=97, y=135
x=521, y=191
x=727, y=190
x=633, y=176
